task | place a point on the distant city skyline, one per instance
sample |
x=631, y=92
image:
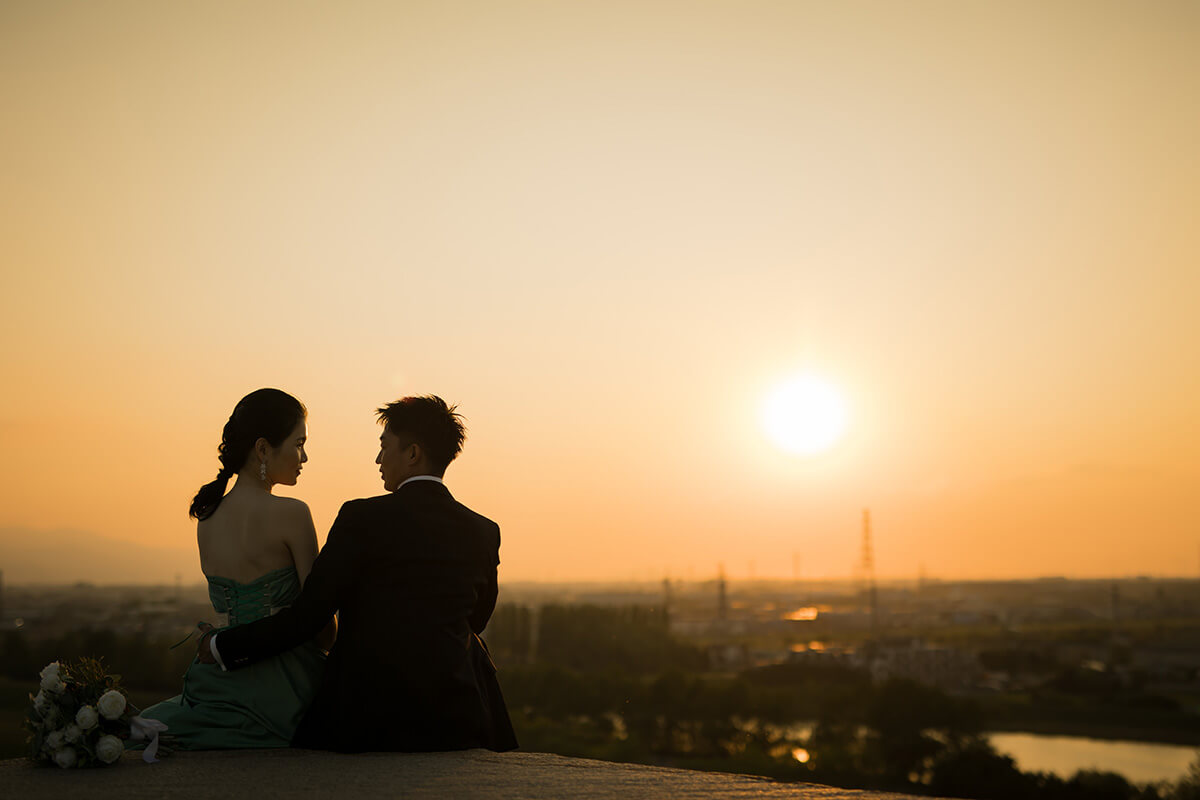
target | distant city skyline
x=42, y=562
x=614, y=233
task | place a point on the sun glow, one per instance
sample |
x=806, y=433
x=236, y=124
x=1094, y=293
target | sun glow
x=805, y=415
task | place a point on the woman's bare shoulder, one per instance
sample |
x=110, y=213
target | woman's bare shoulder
x=289, y=507
x=288, y=515
x=207, y=527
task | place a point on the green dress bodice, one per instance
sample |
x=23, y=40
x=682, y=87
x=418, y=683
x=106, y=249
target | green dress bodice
x=256, y=706
x=246, y=602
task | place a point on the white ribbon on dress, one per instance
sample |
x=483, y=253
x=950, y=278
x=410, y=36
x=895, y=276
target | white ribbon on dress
x=142, y=729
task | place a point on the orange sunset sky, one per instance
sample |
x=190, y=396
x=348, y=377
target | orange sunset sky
x=608, y=230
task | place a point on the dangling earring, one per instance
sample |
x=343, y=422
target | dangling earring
x=262, y=470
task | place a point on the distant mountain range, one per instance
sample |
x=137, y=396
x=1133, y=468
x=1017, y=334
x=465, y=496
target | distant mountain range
x=28, y=555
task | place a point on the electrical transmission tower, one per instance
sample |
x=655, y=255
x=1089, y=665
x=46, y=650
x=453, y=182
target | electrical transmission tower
x=867, y=566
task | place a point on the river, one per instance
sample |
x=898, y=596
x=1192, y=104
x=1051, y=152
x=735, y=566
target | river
x=1139, y=762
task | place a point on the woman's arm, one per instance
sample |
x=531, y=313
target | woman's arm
x=302, y=542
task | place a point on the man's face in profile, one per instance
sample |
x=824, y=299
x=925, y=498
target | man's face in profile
x=394, y=460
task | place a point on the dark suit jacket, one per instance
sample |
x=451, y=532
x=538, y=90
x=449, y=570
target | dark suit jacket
x=412, y=575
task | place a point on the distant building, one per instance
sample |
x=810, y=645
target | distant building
x=831, y=657
x=943, y=667
x=1169, y=663
x=728, y=656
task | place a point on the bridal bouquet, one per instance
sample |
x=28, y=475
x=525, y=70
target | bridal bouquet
x=81, y=717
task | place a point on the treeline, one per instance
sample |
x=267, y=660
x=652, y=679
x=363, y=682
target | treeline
x=627, y=639
x=144, y=662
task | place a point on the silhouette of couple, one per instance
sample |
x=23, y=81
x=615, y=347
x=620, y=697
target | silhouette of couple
x=410, y=574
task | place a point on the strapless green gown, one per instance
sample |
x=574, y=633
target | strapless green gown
x=256, y=706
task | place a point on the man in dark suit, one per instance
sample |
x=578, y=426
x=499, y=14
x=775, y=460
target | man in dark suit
x=412, y=576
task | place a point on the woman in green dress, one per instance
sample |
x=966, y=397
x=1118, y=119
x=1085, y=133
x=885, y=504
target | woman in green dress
x=256, y=549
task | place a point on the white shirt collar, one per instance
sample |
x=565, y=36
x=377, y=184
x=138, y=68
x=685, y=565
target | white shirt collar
x=419, y=478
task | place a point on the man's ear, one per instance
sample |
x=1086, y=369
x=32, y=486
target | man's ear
x=414, y=453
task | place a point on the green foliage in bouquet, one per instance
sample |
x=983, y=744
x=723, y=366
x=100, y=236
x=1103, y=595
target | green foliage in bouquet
x=80, y=716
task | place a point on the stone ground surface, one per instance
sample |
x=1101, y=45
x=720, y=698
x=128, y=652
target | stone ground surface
x=475, y=774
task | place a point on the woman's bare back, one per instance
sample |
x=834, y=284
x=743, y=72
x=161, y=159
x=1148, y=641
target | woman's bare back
x=253, y=533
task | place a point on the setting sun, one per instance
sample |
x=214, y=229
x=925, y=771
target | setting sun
x=805, y=415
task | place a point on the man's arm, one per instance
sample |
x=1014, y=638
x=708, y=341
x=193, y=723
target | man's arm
x=315, y=605
x=302, y=542
x=485, y=603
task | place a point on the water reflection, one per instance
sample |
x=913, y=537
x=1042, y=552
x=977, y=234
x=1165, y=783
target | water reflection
x=1139, y=762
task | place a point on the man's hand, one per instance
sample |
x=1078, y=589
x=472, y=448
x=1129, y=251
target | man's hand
x=203, y=650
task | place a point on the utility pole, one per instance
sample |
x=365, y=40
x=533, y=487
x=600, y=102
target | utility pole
x=868, y=571
x=722, y=604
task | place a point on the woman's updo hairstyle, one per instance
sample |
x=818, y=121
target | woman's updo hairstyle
x=264, y=414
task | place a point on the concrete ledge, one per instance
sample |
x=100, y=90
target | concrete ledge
x=266, y=774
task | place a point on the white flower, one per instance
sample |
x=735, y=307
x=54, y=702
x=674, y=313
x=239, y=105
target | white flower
x=72, y=732
x=86, y=718
x=51, y=682
x=49, y=717
x=111, y=704
x=109, y=748
x=55, y=740
x=41, y=702
x=65, y=757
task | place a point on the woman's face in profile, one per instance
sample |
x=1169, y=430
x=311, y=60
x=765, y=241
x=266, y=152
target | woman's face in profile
x=285, y=462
